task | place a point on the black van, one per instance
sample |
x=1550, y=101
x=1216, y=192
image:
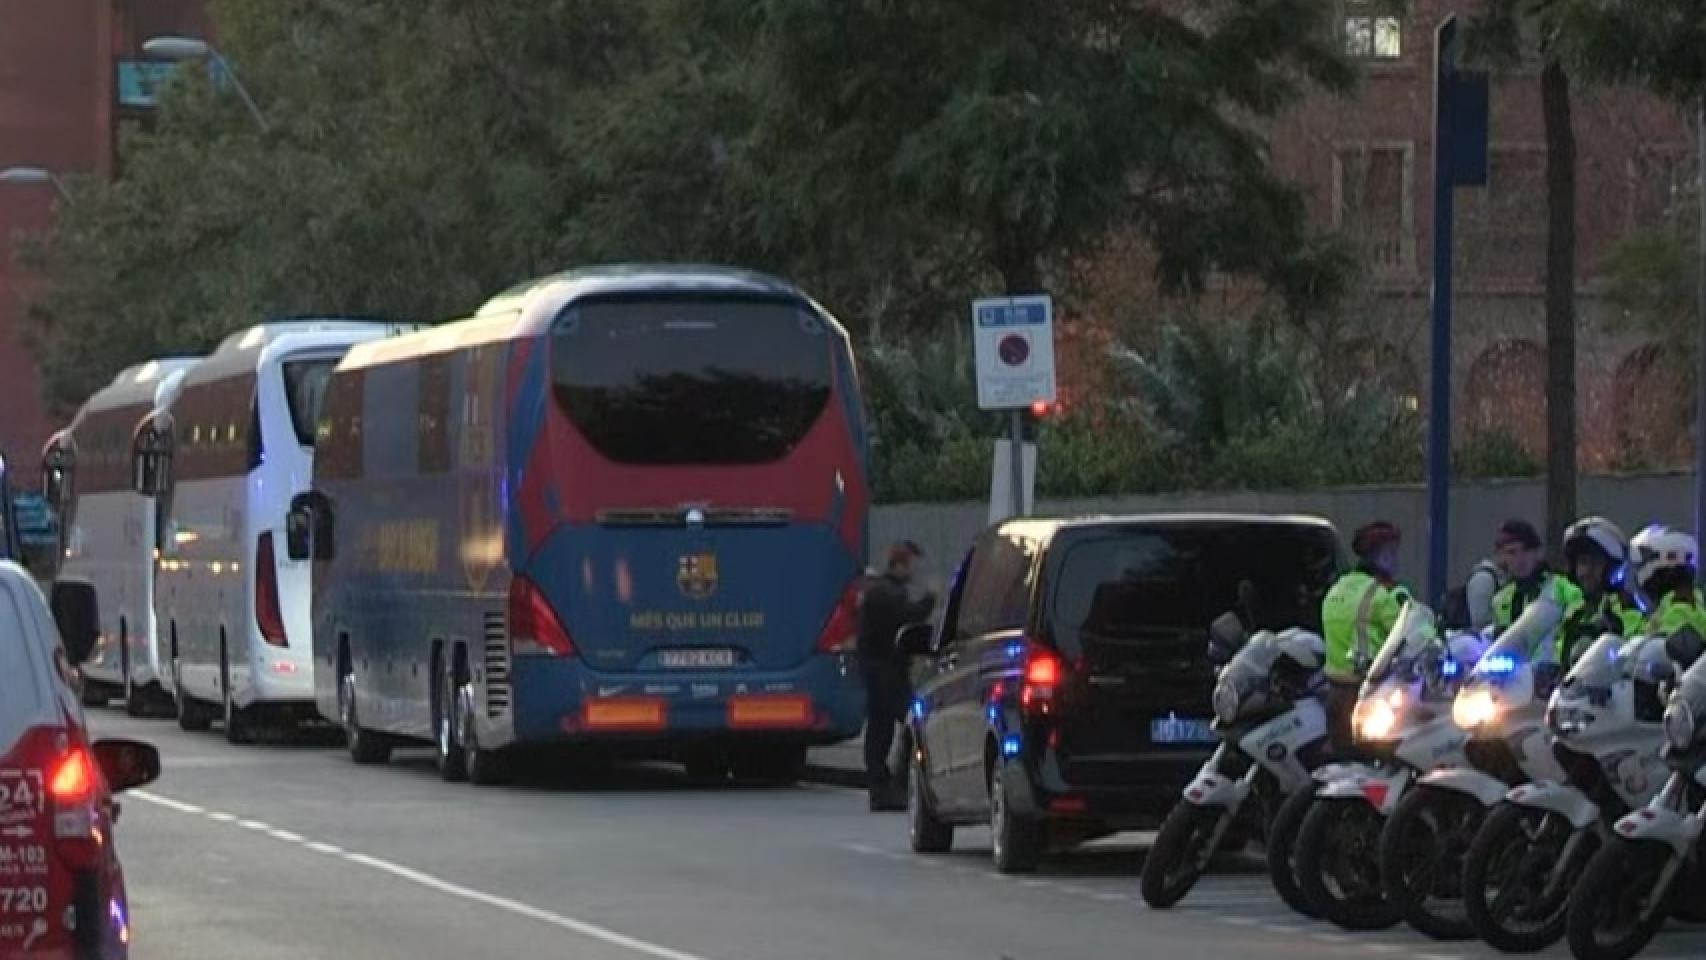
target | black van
x=1065, y=694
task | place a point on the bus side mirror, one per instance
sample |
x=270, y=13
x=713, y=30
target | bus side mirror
x=151, y=473
x=77, y=614
x=308, y=527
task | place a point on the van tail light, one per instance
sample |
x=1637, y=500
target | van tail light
x=70, y=788
x=268, y=616
x=534, y=628
x=1042, y=676
x=841, y=632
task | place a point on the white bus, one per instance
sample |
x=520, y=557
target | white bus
x=109, y=530
x=223, y=465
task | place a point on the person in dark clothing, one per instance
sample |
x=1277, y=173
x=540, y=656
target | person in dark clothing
x=885, y=607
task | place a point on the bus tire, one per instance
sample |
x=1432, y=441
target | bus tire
x=135, y=698
x=485, y=768
x=365, y=746
x=238, y=727
x=773, y=766
x=447, y=720
x=193, y=717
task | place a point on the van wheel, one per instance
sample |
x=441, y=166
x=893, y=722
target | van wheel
x=452, y=759
x=365, y=746
x=238, y=728
x=193, y=717
x=1019, y=841
x=486, y=768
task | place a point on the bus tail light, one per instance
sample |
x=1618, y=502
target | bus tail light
x=841, y=632
x=534, y=629
x=268, y=615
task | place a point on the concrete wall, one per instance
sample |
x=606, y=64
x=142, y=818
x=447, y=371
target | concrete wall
x=945, y=529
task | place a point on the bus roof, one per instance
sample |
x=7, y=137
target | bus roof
x=134, y=384
x=240, y=352
x=528, y=309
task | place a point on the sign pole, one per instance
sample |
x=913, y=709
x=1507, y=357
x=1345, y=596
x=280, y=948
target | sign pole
x=1016, y=466
x=1439, y=401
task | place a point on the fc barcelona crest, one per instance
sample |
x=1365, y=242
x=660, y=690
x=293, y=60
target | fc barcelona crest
x=697, y=575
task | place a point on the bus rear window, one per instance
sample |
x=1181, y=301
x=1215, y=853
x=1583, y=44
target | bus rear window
x=305, y=390
x=692, y=381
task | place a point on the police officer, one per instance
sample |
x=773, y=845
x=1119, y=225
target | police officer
x=1594, y=554
x=885, y=607
x=1518, y=548
x=1664, y=562
x=1479, y=590
x=1356, y=615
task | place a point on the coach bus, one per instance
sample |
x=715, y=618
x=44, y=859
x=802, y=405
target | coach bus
x=621, y=509
x=108, y=528
x=221, y=467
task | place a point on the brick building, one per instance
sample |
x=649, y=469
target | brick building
x=1367, y=164
x=71, y=74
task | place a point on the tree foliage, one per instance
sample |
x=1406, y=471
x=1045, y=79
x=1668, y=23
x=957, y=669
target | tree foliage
x=893, y=158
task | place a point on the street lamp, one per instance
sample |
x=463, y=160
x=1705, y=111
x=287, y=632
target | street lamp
x=189, y=48
x=34, y=175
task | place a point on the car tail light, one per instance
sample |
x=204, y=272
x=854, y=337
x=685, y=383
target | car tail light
x=841, y=632
x=268, y=616
x=534, y=629
x=1042, y=676
x=70, y=787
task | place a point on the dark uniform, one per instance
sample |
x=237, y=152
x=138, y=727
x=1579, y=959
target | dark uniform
x=884, y=609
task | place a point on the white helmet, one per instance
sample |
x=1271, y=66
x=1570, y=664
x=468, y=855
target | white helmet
x=1307, y=649
x=1599, y=533
x=1659, y=548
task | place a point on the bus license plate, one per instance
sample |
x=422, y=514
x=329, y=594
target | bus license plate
x=697, y=659
x=1181, y=730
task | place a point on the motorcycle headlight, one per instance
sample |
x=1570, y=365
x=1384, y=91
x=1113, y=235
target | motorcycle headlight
x=1226, y=701
x=1376, y=718
x=1679, y=725
x=1474, y=708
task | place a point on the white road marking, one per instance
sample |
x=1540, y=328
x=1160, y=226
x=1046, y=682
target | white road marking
x=590, y=931
x=168, y=804
x=1238, y=921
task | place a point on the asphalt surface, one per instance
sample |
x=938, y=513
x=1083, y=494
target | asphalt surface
x=293, y=852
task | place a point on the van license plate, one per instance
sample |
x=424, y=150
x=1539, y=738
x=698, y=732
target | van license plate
x=699, y=658
x=1181, y=730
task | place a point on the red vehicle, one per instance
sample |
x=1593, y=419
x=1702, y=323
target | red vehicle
x=62, y=893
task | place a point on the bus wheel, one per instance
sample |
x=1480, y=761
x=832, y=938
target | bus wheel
x=770, y=766
x=192, y=716
x=485, y=768
x=238, y=728
x=365, y=746
x=452, y=759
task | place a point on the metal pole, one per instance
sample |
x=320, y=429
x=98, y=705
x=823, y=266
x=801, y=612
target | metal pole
x=242, y=91
x=1439, y=405
x=1016, y=465
x=1700, y=319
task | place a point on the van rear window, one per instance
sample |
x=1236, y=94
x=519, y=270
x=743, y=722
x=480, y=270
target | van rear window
x=1127, y=586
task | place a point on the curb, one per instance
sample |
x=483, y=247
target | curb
x=833, y=776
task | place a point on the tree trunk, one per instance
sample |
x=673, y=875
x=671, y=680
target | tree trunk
x=1560, y=300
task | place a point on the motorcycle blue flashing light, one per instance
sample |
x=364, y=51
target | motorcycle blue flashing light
x=1015, y=651
x=1449, y=668
x=1498, y=665
x=1010, y=745
x=917, y=709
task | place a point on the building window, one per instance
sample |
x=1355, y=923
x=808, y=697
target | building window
x=1373, y=30
x=1373, y=190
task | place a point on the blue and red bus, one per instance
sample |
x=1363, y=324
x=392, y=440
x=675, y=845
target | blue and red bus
x=621, y=508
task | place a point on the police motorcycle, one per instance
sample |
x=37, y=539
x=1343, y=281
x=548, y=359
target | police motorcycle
x=1403, y=719
x=1639, y=875
x=1273, y=729
x=1531, y=851
x=1502, y=707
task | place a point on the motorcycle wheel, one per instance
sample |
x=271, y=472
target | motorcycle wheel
x=1513, y=860
x=1282, y=851
x=1421, y=860
x=1180, y=854
x=1337, y=865
x=1611, y=916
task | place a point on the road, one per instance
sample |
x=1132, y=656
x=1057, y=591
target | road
x=275, y=852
